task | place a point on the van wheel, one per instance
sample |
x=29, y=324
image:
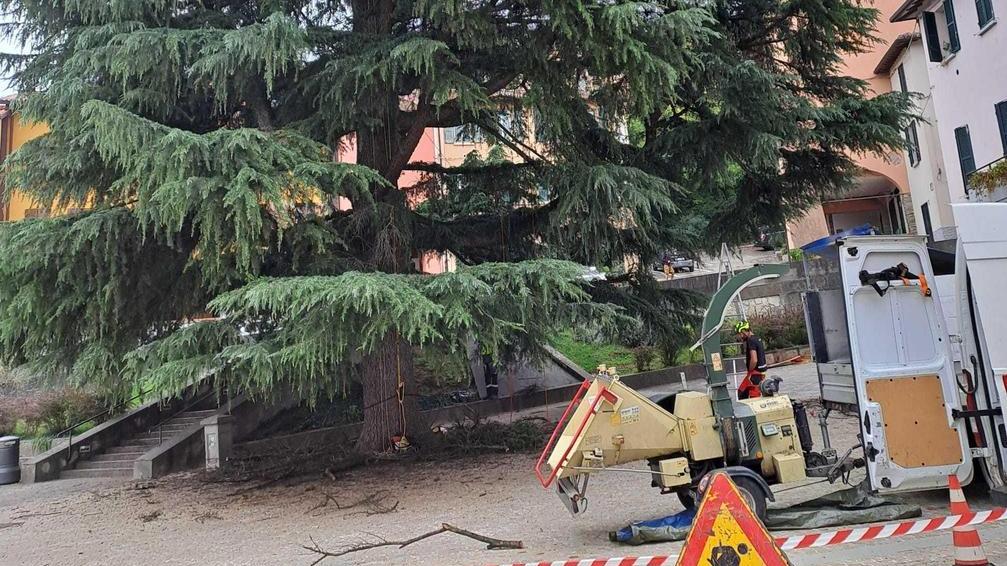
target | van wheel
x=753, y=496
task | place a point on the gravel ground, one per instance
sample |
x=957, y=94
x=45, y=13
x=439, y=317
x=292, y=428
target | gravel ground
x=182, y=520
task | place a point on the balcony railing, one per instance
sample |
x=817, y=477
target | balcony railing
x=975, y=189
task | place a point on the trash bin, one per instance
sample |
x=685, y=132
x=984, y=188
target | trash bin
x=10, y=454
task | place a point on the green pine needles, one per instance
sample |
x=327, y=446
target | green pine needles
x=220, y=235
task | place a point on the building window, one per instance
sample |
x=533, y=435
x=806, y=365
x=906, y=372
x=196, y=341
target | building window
x=927, y=222
x=467, y=134
x=514, y=123
x=902, y=79
x=952, y=26
x=1001, y=110
x=913, y=144
x=941, y=31
x=966, y=158
x=985, y=10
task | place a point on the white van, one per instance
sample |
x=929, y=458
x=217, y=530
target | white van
x=920, y=356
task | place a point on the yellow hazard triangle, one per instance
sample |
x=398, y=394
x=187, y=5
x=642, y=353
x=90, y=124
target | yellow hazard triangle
x=727, y=533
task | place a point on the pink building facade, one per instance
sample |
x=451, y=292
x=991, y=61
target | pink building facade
x=881, y=195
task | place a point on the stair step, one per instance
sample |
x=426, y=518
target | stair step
x=95, y=464
x=201, y=414
x=116, y=457
x=154, y=436
x=182, y=423
x=128, y=449
x=175, y=426
x=98, y=473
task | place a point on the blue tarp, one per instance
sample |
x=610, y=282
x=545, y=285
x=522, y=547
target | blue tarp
x=674, y=527
x=854, y=505
x=821, y=244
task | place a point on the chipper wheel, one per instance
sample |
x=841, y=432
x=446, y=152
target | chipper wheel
x=687, y=497
x=753, y=496
x=749, y=490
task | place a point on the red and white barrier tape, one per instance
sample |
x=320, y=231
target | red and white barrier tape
x=844, y=536
x=628, y=561
x=813, y=540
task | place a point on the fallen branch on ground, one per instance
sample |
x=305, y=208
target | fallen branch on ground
x=289, y=472
x=30, y=515
x=372, y=502
x=491, y=543
x=150, y=516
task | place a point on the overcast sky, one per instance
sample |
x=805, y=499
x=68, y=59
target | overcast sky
x=7, y=47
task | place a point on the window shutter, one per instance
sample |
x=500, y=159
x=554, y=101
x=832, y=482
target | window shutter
x=965, y=156
x=913, y=139
x=949, y=16
x=1001, y=110
x=933, y=39
x=984, y=8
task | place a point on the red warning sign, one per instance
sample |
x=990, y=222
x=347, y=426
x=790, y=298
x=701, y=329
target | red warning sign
x=727, y=533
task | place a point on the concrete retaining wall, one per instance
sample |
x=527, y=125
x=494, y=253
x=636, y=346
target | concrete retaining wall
x=344, y=434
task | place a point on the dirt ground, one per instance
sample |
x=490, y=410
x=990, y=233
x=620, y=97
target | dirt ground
x=181, y=520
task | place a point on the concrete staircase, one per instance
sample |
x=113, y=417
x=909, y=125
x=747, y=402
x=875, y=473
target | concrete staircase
x=117, y=461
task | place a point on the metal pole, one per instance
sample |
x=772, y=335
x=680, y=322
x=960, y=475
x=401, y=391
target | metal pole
x=723, y=405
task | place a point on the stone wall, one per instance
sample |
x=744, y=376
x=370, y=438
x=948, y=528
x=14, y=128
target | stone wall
x=786, y=290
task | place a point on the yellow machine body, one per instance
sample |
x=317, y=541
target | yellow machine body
x=614, y=424
x=602, y=433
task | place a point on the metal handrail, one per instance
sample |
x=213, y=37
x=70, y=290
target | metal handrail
x=101, y=414
x=987, y=167
x=69, y=430
x=160, y=433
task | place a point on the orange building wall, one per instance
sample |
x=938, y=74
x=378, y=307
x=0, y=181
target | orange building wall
x=21, y=133
x=862, y=66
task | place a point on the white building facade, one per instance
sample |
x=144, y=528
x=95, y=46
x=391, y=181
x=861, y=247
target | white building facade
x=905, y=63
x=966, y=59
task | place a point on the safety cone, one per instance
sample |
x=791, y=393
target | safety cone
x=968, y=548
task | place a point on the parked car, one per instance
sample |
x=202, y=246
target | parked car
x=680, y=261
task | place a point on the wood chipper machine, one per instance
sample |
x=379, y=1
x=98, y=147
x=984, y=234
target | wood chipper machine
x=683, y=436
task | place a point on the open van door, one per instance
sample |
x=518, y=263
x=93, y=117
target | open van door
x=903, y=369
x=980, y=273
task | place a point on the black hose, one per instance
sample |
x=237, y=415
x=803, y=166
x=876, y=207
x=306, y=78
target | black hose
x=980, y=370
x=968, y=378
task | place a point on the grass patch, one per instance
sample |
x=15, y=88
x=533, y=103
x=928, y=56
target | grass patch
x=589, y=355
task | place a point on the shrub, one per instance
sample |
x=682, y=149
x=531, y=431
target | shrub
x=779, y=326
x=985, y=182
x=7, y=423
x=62, y=408
x=438, y=368
x=644, y=356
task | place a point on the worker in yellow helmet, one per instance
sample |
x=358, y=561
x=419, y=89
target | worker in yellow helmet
x=755, y=361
